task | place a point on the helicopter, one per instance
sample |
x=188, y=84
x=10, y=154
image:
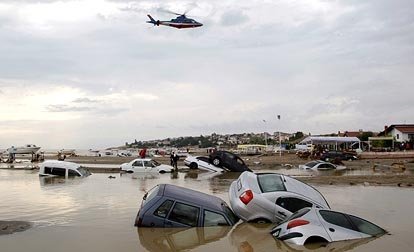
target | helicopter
x=179, y=22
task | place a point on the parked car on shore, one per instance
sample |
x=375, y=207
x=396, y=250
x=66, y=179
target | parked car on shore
x=62, y=168
x=311, y=225
x=321, y=165
x=229, y=161
x=271, y=197
x=145, y=165
x=202, y=163
x=333, y=155
x=168, y=205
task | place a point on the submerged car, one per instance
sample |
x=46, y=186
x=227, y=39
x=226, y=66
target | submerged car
x=168, y=205
x=62, y=168
x=229, y=161
x=271, y=197
x=145, y=165
x=202, y=163
x=321, y=165
x=313, y=225
x=335, y=155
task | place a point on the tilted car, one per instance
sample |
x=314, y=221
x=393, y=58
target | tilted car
x=271, y=197
x=333, y=155
x=168, y=205
x=229, y=161
x=311, y=225
x=62, y=168
x=145, y=165
x=202, y=163
x=321, y=165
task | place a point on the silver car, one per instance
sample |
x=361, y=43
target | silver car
x=313, y=225
x=271, y=197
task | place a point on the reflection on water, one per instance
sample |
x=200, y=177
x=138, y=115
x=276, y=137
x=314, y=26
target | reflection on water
x=97, y=213
x=179, y=239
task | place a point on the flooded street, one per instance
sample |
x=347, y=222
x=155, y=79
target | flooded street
x=97, y=214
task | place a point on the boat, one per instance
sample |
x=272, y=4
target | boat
x=26, y=149
x=69, y=152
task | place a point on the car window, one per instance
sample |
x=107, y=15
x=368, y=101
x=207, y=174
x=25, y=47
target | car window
x=292, y=204
x=73, y=173
x=214, y=219
x=137, y=163
x=147, y=163
x=163, y=210
x=366, y=226
x=205, y=159
x=240, y=161
x=155, y=163
x=59, y=171
x=312, y=164
x=335, y=218
x=150, y=194
x=270, y=183
x=48, y=170
x=185, y=214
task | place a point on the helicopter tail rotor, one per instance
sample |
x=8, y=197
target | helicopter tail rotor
x=152, y=21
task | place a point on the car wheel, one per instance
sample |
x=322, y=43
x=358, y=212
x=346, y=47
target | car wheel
x=261, y=221
x=162, y=171
x=130, y=171
x=193, y=166
x=216, y=161
x=315, y=240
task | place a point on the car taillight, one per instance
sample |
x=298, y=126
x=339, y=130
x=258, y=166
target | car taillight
x=246, y=196
x=296, y=223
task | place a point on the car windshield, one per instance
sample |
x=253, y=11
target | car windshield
x=154, y=163
x=233, y=218
x=298, y=214
x=312, y=164
x=85, y=172
x=270, y=182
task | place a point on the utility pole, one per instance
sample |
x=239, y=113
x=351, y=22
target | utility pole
x=280, y=140
x=265, y=133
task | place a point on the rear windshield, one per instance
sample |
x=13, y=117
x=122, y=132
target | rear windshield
x=298, y=214
x=232, y=217
x=85, y=172
x=150, y=194
x=270, y=183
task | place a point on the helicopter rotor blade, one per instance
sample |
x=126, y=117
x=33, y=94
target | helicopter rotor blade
x=170, y=12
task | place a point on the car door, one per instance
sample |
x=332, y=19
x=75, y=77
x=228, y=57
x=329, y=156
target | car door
x=338, y=226
x=183, y=215
x=138, y=165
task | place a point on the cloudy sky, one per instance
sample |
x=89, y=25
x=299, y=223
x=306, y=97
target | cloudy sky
x=92, y=73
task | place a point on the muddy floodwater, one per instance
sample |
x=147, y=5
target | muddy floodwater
x=97, y=214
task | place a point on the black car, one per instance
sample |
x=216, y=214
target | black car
x=168, y=205
x=333, y=155
x=229, y=161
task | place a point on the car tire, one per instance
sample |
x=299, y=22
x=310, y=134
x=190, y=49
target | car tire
x=193, y=166
x=162, y=172
x=129, y=171
x=315, y=240
x=261, y=221
x=217, y=162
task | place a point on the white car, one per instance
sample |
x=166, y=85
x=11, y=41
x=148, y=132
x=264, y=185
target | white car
x=313, y=225
x=62, y=168
x=271, y=197
x=145, y=165
x=201, y=162
x=321, y=165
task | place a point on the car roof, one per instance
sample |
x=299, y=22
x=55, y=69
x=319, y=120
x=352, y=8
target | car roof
x=192, y=196
x=60, y=164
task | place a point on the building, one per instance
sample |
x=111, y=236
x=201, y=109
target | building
x=400, y=132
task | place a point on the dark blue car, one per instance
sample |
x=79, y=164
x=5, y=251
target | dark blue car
x=168, y=205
